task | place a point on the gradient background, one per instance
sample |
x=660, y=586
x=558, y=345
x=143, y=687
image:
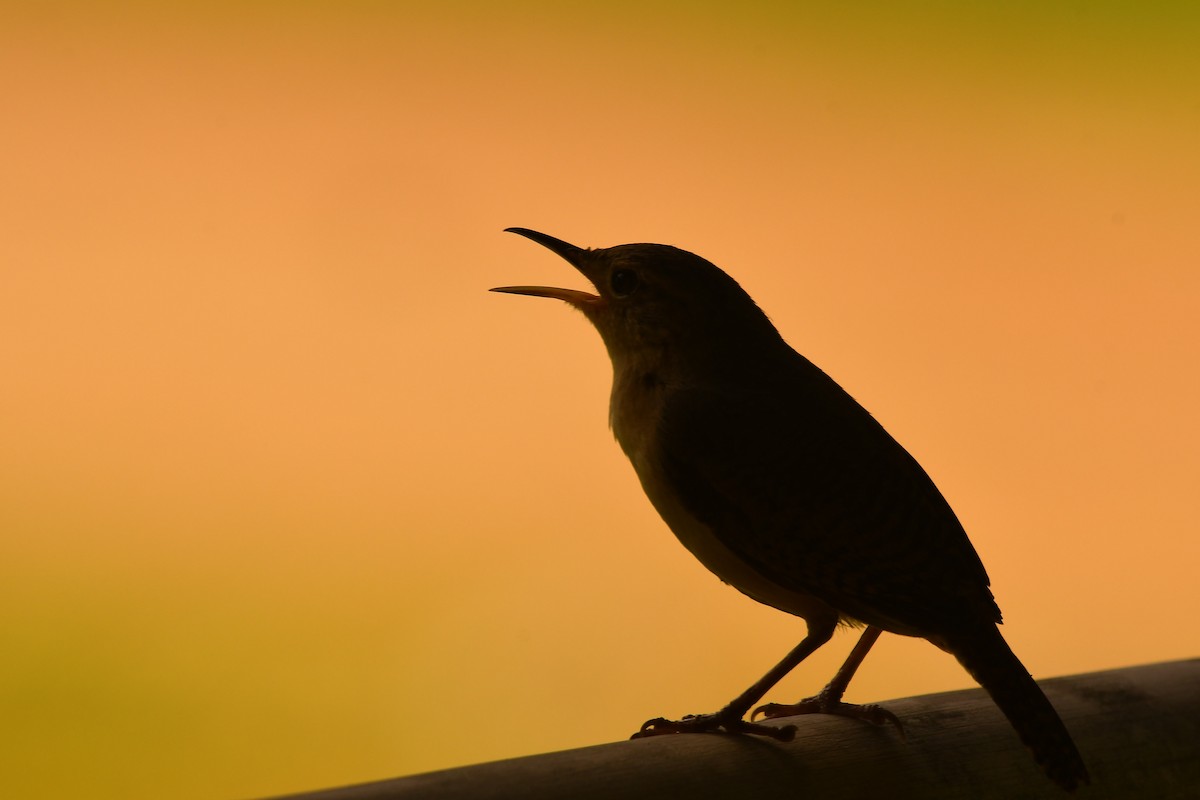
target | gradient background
x=288, y=500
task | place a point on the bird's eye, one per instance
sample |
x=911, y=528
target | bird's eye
x=624, y=282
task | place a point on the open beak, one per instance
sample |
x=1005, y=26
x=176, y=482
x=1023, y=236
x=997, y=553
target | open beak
x=575, y=256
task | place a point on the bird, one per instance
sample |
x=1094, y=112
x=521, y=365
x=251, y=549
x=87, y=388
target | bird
x=779, y=482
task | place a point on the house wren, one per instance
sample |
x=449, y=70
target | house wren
x=779, y=482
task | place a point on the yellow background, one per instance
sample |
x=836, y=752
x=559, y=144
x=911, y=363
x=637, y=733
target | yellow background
x=288, y=500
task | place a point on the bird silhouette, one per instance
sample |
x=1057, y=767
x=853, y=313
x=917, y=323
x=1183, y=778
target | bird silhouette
x=779, y=482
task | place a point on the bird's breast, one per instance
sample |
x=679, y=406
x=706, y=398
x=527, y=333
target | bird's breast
x=711, y=550
x=635, y=415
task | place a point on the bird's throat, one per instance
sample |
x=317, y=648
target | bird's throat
x=639, y=393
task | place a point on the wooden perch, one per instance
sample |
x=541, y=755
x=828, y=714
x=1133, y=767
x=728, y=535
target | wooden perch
x=1138, y=730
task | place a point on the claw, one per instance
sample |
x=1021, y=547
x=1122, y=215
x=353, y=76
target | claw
x=776, y=710
x=821, y=704
x=712, y=723
x=878, y=715
x=649, y=727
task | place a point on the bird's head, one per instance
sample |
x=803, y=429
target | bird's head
x=657, y=302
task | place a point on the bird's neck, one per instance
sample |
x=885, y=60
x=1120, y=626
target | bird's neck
x=644, y=378
x=641, y=384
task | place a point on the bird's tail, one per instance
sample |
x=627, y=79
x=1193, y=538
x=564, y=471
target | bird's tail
x=992, y=663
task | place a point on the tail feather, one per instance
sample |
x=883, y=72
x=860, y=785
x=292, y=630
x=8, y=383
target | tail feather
x=988, y=658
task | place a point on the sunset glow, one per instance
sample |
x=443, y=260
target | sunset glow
x=289, y=500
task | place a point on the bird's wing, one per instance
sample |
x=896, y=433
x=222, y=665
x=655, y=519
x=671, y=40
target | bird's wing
x=807, y=488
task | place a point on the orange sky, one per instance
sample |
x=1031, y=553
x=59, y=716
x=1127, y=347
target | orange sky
x=288, y=500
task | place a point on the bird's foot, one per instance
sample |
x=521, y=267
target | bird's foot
x=825, y=702
x=713, y=723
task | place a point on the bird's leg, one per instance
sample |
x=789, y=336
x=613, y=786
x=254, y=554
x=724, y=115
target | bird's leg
x=829, y=699
x=730, y=718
